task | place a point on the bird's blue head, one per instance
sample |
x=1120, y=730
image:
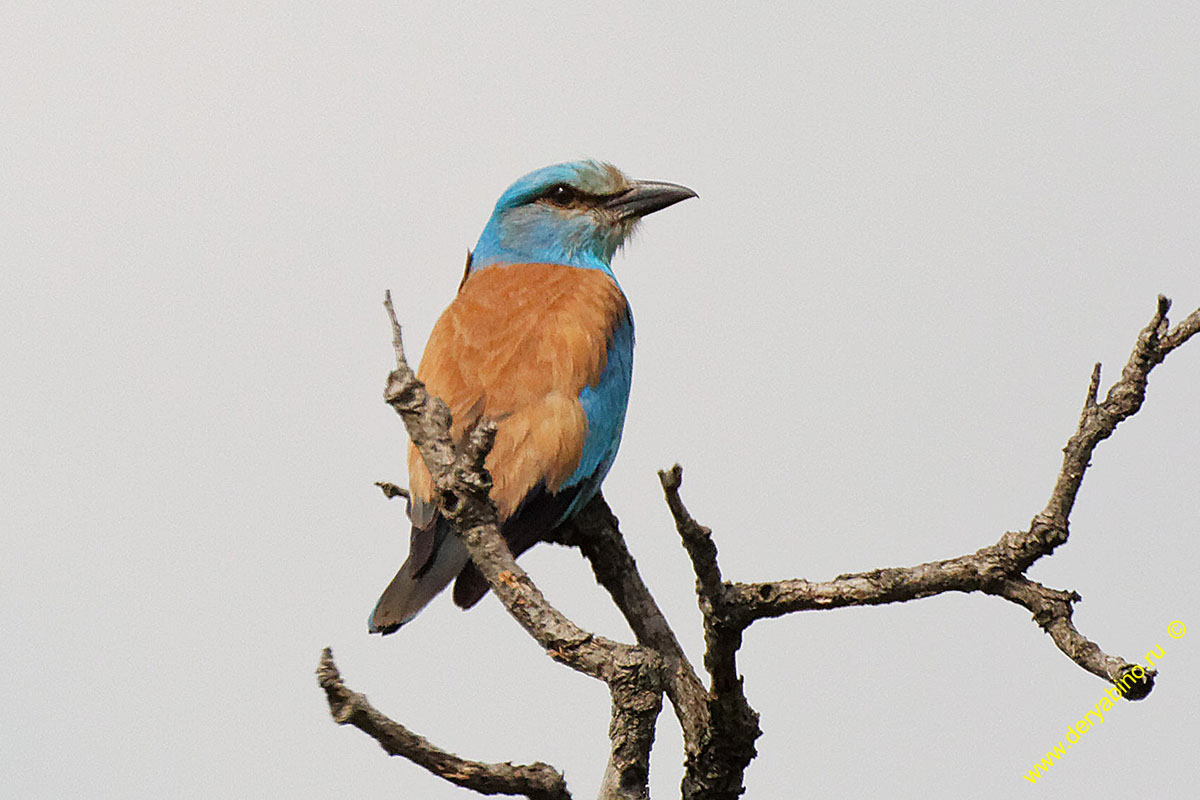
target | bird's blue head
x=577, y=213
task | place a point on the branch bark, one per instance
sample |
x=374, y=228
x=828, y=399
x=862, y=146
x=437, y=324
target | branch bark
x=1097, y=422
x=717, y=770
x=1052, y=610
x=597, y=534
x=536, y=781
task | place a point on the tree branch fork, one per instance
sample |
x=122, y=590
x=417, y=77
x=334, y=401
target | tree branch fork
x=719, y=725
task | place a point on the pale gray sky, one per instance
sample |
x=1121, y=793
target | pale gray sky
x=867, y=341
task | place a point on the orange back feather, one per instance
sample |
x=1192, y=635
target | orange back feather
x=517, y=345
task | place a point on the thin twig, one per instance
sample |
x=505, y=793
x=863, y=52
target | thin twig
x=716, y=771
x=391, y=490
x=721, y=641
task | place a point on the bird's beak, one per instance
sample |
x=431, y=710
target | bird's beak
x=646, y=197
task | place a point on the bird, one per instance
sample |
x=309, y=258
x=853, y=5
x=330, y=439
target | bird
x=538, y=339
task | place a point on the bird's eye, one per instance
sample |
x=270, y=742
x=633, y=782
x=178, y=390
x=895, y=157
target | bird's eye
x=561, y=195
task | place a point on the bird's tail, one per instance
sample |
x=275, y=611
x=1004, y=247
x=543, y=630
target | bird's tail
x=428, y=569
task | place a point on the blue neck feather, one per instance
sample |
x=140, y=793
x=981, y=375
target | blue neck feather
x=523, y=230
x=525, y=238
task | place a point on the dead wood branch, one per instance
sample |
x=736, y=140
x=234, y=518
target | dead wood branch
x=999, y=569
x=536, y=781
x=719, y=725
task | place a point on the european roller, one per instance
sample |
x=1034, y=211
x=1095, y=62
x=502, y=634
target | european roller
x=539, y=339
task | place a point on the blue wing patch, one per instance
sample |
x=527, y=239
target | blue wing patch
x=604, y=404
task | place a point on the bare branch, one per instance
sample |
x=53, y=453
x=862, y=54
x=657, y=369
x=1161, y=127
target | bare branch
x=719, y=725
x=596, y=532
x=697, y=539
x=999, y=569
x=1052, y=611
x=636, y=702
x=391, y=490
x=1099, y=419
x=465, y=502
x=721, y=641
x=983, y=570
x=968, y=573
x=1093, y=387
x=537, y=781
x=716, y=771
x=426, y=414
x=1180, y=333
